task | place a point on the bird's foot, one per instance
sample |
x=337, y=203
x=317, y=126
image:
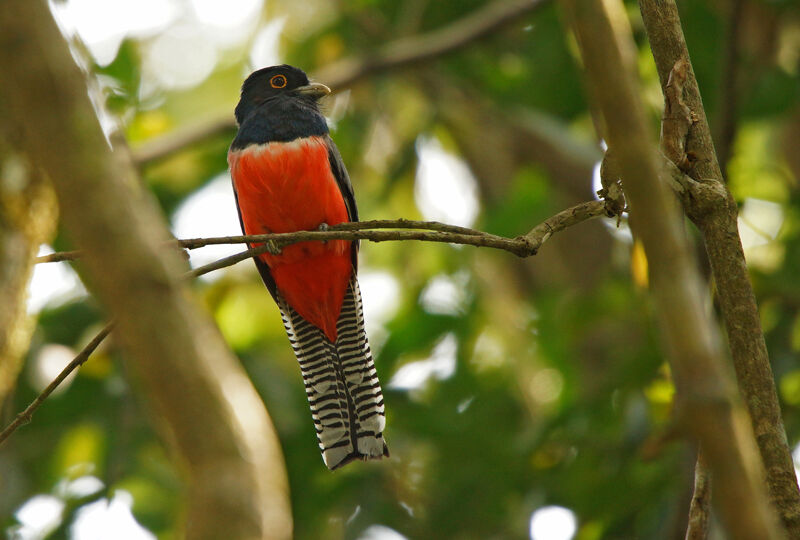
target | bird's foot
x=272, y=247
x=323, y=227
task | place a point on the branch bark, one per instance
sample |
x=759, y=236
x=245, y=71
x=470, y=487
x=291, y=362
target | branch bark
x=213, y=417
x=418, y=49
x=28, y=217
x=718, y=224
x=707, y=405
x=729, y=86
x=700, y=508
x=496, y=144
x=525, y=245
x=346, y=72
x=528, y=245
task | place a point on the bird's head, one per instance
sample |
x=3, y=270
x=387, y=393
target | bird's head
x=278, y=83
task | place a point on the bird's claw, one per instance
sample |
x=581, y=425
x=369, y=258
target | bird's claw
x=272, y=247
x=323, y=227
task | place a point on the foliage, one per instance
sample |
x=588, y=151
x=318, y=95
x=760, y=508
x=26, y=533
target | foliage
x=560, y=392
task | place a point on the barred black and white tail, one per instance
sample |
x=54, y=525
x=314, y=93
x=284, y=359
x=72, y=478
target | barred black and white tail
x=341, y=383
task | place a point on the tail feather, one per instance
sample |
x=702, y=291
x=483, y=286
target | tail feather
x=341, y=383
x=360, y=375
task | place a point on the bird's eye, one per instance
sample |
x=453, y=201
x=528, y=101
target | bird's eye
x=277, y=81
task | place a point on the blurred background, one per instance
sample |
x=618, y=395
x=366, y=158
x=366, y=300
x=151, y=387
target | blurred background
x=524, y=398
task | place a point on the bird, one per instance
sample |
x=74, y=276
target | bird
x=288, y=175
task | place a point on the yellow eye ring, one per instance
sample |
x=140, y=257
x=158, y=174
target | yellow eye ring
x=277, y=81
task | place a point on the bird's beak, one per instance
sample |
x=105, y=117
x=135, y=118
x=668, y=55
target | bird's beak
x=315, y=90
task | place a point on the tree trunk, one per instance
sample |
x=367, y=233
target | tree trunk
x=218, y=426
x=707, y=404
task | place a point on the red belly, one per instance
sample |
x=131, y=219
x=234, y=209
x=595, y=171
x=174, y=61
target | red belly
x=286, y=187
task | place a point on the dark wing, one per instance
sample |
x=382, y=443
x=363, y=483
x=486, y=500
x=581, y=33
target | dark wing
x=263, y=269
x=345, y=187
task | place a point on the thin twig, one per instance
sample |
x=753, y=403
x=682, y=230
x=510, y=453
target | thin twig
x=516, y=246
x=417, y=49
x=566, y=218
x=25, y=416
x=59, y=256
x=403, y=224
x=523, y=246
x=401, y=52
x=365, y=230
x=289, y=238
x=228, y=261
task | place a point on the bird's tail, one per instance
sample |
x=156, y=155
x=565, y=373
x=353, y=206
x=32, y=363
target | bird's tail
x=341, y=383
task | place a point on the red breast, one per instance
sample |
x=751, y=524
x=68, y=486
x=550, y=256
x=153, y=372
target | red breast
x=286, y=187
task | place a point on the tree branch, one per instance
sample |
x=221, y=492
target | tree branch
x=418, y=49
x=59, y=256
x=235, y=477
x=526, y=245
x=718, y=224
x=523, y=246
x=729, y=87
x=28, y=217
x=700, y=507
x=399, y=53
x=25, y=416
x=706, y=394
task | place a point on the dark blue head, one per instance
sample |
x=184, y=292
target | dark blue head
x=279, y=104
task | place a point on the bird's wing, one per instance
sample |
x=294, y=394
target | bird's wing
x=263, y=269
x=345, y=187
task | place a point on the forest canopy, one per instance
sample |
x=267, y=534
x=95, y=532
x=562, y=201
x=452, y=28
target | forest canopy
x=525, y=397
